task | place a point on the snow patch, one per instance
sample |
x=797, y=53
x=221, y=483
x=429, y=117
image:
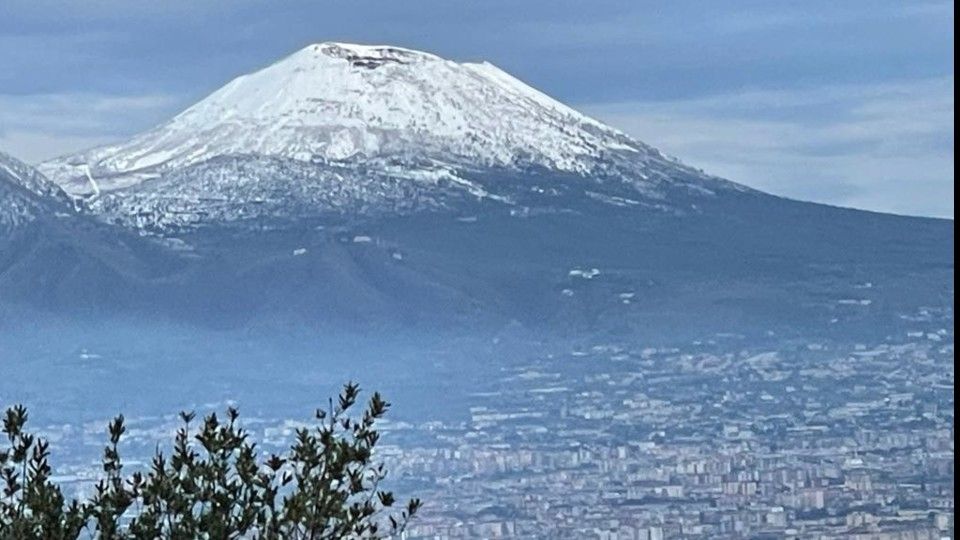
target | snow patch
x=585, y=274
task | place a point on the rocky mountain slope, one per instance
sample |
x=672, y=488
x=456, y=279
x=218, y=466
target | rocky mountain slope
x=27, y=195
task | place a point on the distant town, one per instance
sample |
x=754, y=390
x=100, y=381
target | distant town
x=822, y=441
x=716, y=439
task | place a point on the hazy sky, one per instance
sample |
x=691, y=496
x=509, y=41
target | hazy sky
x=849, y=103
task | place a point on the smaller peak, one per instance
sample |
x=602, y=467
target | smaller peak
x=27, y=177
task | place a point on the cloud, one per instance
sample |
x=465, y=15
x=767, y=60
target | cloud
x=39, y=127
x=885, y=146
x=598, y=51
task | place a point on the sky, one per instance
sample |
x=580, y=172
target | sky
x=847, y=103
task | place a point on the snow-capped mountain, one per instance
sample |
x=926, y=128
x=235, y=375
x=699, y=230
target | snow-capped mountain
x=350, y=183
x=26, y=195
x=338, y=126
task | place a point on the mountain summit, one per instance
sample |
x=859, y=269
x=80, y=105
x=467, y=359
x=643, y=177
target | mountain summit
x=335, y=102
x=416, y=118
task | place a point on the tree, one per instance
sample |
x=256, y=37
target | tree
x=213, y=484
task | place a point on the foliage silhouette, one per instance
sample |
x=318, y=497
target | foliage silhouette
x=213, y=484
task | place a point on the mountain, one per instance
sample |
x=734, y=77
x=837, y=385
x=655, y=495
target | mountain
x=54, y=255
x=26, y=195
x=350, y=184
x=335, y=127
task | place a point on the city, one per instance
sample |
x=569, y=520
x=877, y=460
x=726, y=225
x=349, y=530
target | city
x=717, y=439
x=824, y=441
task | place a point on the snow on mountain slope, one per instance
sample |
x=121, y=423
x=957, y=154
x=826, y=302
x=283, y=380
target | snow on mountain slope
x=355, y=113
x=235, y=188
x=26, y=195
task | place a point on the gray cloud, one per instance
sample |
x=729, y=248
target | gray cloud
x=39, y=127
x=886, y=146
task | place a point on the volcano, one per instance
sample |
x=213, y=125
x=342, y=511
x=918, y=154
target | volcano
x=350, y=183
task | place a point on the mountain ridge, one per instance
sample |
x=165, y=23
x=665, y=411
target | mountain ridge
x=27, y=195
